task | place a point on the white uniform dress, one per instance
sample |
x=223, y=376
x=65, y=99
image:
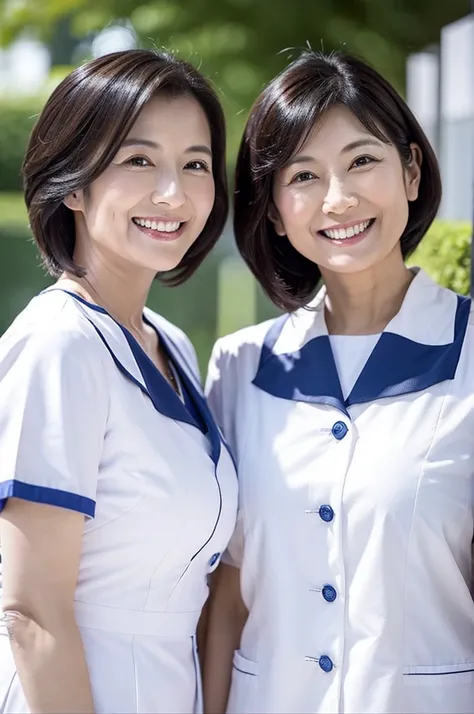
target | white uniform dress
x=355, y=527
x=88, y=423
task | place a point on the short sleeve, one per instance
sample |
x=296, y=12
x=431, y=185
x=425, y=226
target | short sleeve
x=219, y=392
x=234, y=554
x=53, y=414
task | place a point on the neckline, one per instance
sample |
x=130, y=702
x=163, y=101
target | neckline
x=127, y=333
x=187, y=389
x=92, y=305
x=374, y=336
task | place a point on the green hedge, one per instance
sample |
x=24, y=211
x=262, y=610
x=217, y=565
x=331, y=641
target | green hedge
x=445, y=253
x=16, y=121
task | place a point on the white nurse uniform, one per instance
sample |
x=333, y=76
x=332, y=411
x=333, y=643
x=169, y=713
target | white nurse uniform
x=88, y=423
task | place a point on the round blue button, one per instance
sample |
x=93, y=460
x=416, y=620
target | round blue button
x=326, y=513
x=339, y=430
x=325, y=663
x=214, y=559
x=329, y=593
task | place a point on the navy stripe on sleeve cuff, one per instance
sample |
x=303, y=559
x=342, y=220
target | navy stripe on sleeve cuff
x=44, y=494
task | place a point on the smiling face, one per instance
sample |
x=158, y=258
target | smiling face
x=152, y=202
x=342, y=201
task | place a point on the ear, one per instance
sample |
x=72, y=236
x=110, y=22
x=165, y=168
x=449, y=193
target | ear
x=413, y=173
x=274, y=217
x=75, y=201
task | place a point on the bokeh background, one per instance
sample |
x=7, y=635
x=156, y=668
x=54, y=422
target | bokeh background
x=240, y=45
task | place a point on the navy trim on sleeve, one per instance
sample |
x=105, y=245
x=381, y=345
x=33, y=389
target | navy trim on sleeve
x=44, y=494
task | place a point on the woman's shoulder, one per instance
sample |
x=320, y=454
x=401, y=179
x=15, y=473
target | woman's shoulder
x=240, y=351
x=51, y=323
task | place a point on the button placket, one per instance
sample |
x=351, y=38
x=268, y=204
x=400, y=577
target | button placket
x=328, y=593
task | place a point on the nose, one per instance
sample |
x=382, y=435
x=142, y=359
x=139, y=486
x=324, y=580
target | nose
x=338, y=199
x=168, y=189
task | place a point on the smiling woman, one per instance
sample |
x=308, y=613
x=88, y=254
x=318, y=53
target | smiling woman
x=159, y=185
x=117, y=491
x=372, y=136
x=194, y=125
x=347, y=586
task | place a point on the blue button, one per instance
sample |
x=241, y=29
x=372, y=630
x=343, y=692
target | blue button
x=325, y=663
x=339, y=430
x=214, y=559
x=329, y=593
x=326, y=513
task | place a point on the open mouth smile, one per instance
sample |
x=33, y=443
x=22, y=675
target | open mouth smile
x=352, y=233
x=160, y=229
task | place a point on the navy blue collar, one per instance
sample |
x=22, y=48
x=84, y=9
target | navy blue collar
x=420, y=347
x=119, y=341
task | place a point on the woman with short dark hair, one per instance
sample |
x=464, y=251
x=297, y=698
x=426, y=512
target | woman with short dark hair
x=347, y=584
x=116, y=489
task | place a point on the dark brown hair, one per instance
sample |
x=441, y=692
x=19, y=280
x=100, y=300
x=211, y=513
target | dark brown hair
x=81, y=128
x=280, y=121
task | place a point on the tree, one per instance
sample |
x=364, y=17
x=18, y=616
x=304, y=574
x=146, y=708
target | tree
x=239, y=43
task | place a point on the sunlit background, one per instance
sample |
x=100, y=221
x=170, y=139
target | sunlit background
x=425, y=48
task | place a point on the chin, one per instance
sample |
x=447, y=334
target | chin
x=346, y=267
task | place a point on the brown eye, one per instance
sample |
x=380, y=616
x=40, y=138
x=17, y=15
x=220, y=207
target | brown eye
x=363, y=161
x=138, y=161
x=197, y=165
x=303, y=177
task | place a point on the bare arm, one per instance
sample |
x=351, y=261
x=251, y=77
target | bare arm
x=41, y=547
x=225, y=621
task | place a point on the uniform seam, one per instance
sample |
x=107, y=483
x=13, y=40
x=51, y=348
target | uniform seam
x=135, y=676
x=415, y=503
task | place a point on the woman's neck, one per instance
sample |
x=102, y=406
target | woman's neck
x=363, y=303
x=122, y=291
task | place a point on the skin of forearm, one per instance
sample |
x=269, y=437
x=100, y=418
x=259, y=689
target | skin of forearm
x=223, y=637
x=51, y=664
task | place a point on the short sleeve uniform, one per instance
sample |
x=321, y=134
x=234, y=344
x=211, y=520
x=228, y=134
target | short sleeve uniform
x=356, y=509
x=85, y=424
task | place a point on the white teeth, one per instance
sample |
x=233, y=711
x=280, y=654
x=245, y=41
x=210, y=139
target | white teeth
x=343, y=233
x=162, y=226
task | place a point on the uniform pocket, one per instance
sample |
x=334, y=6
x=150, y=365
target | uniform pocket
x=440, y=689
x=243, y=688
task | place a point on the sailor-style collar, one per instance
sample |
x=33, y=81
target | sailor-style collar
x=419, y=347
x=124, y=351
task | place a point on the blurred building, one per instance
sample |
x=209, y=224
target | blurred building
x=440, y=91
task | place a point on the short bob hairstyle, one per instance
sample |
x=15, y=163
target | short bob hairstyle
x=280, y=122
x=81, y=128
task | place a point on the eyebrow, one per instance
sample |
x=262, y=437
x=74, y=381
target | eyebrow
x=194, y=149
x=357, y=144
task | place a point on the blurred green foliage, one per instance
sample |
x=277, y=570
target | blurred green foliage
x=16, y=121
x=240, y=44
x=445, y=254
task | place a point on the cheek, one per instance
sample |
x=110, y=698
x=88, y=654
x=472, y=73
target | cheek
x=203, y=198
x=295, y=206
x=385, y=190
